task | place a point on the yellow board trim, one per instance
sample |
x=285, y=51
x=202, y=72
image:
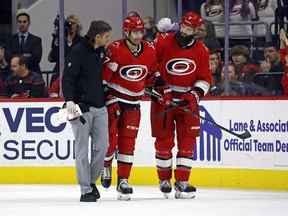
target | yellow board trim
x=203, y=177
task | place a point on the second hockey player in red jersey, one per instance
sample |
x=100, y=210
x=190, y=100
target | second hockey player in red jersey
x=184, y=67
x=131, y=65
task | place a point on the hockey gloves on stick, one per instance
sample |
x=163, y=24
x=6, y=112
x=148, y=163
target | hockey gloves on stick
x=113, y=106
x=166, y=96
x=190, y=99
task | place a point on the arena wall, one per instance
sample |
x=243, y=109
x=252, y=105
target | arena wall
x=36, y=148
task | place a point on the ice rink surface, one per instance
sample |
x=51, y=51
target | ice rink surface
x=63, y=200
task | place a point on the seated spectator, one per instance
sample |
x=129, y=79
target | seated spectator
x=72, y=37
x=284, y=58
x=149, y=29
x=272, y=63
x=206, y=34
x=54, y=90
x=245, y=67
x=216, y=66
x=235, y=86
x=166, y=25
x=232, y=75
x=4, y=67
x=22, y=83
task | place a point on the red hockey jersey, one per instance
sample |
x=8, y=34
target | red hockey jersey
x=183, y=68
x=284, y=59
x=125, y=72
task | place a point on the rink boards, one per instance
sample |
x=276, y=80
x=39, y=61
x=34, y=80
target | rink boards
x=36, y=148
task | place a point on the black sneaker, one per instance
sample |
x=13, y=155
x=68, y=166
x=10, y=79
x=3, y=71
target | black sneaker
x=95, y=191
x=88, y=197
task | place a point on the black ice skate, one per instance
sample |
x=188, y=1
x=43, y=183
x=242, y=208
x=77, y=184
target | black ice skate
x=95, y=191
x=184, y=190
x=165, y=188
x=124, y=190
x=106, y=177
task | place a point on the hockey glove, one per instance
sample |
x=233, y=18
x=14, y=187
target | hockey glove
x=113, y=106
x=190, y=100
x=166, y=95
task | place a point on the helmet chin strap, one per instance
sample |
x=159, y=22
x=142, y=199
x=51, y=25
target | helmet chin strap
x=128, y=39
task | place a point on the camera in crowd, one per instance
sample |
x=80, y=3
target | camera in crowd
x=67, y=26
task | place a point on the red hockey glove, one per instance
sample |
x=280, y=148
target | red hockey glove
x=166, y=95
x=150, y=80
x=190, y=100
x=113, y=106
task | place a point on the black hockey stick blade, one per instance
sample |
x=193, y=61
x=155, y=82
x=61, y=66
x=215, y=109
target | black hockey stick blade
x=244, y=135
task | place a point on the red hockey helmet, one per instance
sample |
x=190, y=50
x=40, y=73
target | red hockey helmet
x=133, y=23
x=192, y=19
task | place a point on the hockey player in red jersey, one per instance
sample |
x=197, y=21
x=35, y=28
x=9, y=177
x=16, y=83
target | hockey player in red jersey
x=130, y=66
x=184, y=67
x=284, y=59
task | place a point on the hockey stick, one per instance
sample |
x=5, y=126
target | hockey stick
x=244, y=135
x=159, y=115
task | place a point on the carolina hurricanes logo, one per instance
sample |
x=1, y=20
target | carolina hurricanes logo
x=261, y=6
x=234, y=12
x=181, y=66
x=216, y=12
x=133, y=73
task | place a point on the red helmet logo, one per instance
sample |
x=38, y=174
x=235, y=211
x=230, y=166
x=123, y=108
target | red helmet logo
x=134, y=23
x=192, y=20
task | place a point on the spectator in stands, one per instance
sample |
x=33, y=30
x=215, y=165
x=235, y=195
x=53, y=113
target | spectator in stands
x=216, y=66
x=4, y=67
x=284, y=58
x=166, y=25
x=22, y=83
x=149, y=29
x=236, y=86
x=25, y=43
x=206, y=34
x=266, y=12
x=73, y=35
x=213, y=10
x=232, y=75
x=245, y=67
x=271, y=64
x=54, y=90
x=241, y=11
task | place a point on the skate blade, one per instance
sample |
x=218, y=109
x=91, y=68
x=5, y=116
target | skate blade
x=184, y=195
x=124, y=197
x=166, y=195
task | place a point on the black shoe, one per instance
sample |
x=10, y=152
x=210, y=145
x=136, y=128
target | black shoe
x=88, y=197
x=95, y=191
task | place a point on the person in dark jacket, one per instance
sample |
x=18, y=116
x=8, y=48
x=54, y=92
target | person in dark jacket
x=82, y=84
x=25, y=43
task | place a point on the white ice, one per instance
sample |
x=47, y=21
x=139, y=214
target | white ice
x=63, y=200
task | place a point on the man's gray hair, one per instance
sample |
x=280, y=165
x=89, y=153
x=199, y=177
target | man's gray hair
x=98, y=27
